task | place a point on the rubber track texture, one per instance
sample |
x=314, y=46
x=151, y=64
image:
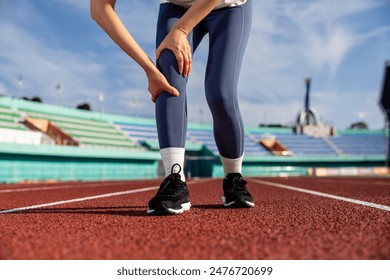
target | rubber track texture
x=284, y=224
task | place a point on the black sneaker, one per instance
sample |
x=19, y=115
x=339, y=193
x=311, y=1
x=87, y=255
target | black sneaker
x=172, y=197
x=235, y=193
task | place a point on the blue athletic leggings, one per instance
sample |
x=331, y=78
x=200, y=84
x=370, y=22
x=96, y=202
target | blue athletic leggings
x=228, y=30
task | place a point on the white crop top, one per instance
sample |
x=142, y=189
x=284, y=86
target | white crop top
x=221, y=4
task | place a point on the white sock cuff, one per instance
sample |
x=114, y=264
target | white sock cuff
x=171, y=156
x=172, y=150
x=232, y=165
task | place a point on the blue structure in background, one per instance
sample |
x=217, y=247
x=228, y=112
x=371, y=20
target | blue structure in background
x=116, y=147
x=385, y=104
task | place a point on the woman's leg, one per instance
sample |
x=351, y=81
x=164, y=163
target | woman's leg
x=171, y=119
x=171, y=111
x=229, y=32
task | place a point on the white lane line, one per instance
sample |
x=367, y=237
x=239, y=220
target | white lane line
x=92, y=197
x=77, y=200
x=355, y=201
x=356, y=182
x=63, y=187
x=76, y=186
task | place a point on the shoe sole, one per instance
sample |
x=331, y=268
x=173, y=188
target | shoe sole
x=162, y=210
x=237, y=203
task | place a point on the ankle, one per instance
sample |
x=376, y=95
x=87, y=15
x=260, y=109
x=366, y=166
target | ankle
x=232, y=165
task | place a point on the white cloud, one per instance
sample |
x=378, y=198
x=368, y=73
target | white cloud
x=317, y=31
x=82, y=5
x=290, y=40
x=43, y=67
x=330, y=49
x=362, y=38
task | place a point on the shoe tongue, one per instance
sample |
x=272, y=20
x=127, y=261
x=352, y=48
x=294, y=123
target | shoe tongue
x=231, y=176
x=176, y=180
x=176, y=176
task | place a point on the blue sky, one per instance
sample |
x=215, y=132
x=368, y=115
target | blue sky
x=341, y=45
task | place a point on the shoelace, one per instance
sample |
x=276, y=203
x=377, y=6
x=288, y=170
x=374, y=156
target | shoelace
x=173, y=166
x=173, y=184
x=239, y=184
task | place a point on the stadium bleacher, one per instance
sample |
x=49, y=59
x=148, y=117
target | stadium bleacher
x=100, y=133
x=206, y=136
x=147, y=134
x=301, y=144
x=10, y=118
x=360, y=144
x=89, y=133
x=104, y=136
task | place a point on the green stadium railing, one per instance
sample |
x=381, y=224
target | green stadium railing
x=69, y=163
x=26, y=162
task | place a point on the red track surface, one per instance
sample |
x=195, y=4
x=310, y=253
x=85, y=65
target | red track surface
x=284, y=224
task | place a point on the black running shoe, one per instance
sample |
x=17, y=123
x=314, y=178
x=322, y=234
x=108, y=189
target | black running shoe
x=235, y=193
x=172, y=197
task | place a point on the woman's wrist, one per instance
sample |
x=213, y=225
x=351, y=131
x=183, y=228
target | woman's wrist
x=148, y=66
x=180, y=29
x=151, y=71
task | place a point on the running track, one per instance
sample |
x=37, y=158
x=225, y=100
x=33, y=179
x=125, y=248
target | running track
x=294, y=218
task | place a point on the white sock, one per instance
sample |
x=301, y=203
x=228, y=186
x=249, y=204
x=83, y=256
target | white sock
x=169, y=157
x=232, y=165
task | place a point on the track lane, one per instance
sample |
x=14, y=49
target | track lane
x=34, y=195
x=323, y=194
x=283, y=225
x=71, y=193
x=371, y=190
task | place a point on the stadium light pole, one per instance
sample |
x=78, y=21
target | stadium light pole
x=21, y=86
x=201, y=115
x=307, y=100
x=101, y=100
x=59, y=88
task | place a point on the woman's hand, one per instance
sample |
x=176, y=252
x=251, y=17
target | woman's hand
x=157, y=83
x=177, y=42
x=102, y=11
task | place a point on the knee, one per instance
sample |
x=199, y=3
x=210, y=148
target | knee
x=219, y=103
x=167, y=61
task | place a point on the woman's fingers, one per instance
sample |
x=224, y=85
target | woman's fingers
x=159, y=51
x=170, y=89
x=158, y=84
x=178, y=43
x=173, y=91
x=180, y=61
x=187, y=65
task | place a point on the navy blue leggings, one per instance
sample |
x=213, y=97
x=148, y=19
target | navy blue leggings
x=228, y=30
